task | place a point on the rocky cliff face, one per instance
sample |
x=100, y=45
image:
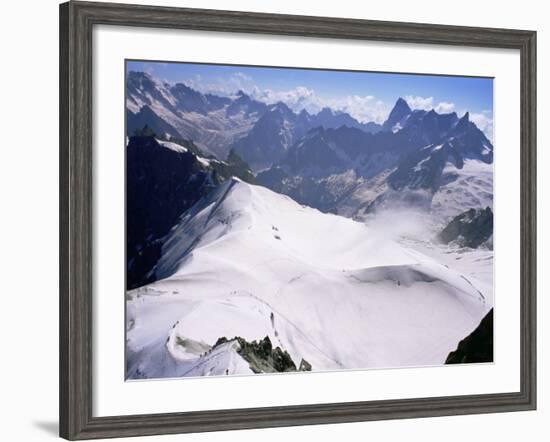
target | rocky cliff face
x=263, y=358
x=163, y=180
x=476, y=347
x=410, y=157
x=469, y=229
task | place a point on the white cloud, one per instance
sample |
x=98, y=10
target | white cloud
x=484, y=122
x=242, y=76
x=222, y=86
x=293, y=98
x=423, y=103
x=445, y=107
x=363, y=108
x=427, y=103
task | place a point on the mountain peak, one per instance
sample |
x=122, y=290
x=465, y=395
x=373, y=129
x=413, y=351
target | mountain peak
x=182, y=87
x=280, y=107
x=242, y=97
x=399, y=111
x=138, y=74
x=401, y=102
x=139, y=79
x=326, y=111
x=464, y=121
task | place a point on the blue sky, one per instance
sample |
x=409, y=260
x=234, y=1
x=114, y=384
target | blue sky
x=368, y=96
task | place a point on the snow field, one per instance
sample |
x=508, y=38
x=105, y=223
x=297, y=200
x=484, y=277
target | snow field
x=252, y=263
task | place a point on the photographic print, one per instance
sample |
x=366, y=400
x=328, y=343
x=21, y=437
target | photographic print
x=293, y=220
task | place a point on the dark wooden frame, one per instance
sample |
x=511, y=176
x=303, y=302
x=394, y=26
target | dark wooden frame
x=76, y=23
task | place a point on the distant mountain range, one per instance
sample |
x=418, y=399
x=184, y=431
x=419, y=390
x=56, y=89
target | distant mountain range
x=327, y=160
x=218, y=124
x=413, y=156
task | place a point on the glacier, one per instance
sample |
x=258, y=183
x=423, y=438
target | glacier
x=340, y=294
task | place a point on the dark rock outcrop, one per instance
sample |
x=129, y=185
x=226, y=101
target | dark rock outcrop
x=476, y=347
x=146, y=117
x=161, y=184
x=469, y=229
x=400, y=111
x=263, y=358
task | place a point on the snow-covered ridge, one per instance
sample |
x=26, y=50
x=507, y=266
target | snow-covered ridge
x=172, y=146
x=246, y=261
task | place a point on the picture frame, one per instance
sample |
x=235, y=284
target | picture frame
x=77, y=20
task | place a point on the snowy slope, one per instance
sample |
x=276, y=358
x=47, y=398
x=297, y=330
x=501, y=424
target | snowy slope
x=463, y=189
x=252, y=263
